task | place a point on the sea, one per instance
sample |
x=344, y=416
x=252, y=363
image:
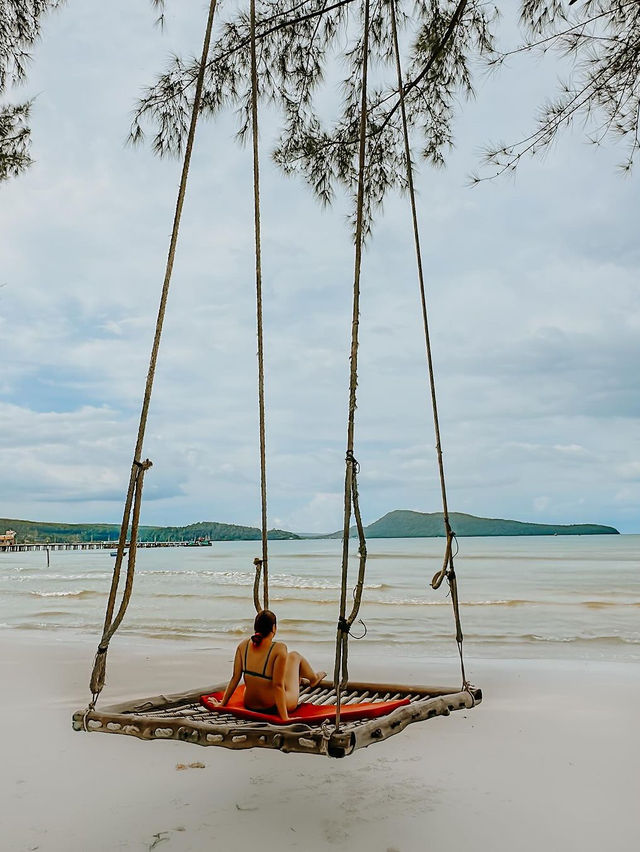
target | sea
x=561, y=597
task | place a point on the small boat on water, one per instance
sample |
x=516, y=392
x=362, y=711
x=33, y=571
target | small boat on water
x=115, y=553
x=199, y=542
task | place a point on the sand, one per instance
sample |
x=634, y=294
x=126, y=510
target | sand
x=550, y=760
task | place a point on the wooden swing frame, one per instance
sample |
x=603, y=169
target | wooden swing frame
x=182, y=717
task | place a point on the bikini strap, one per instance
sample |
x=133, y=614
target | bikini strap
x=264, y=668
x=246, y=648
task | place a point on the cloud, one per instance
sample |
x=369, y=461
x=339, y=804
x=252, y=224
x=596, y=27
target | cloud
x=532, y=295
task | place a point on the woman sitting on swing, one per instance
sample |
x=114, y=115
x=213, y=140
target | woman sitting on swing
x=272, y=675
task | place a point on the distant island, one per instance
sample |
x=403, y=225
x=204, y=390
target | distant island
x=398, y=524
x=406, y=524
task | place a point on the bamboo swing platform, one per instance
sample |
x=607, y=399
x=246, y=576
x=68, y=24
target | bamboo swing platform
x=183, y=717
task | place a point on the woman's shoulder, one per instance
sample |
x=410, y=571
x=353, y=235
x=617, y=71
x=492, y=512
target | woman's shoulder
x=279, y=648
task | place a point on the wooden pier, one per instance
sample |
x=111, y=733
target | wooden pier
x=94, y=545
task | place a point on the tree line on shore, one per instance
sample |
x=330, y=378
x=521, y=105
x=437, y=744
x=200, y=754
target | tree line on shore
x=397, y=524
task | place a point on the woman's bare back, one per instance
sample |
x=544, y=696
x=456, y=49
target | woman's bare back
x=258, y=666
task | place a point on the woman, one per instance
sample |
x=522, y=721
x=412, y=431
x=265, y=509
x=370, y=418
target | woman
x=272, y=675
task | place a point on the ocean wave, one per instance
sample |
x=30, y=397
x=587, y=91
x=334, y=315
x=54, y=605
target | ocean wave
x=244, y=579
x=176, y=635
x=46, y=621
x=534, y=638
x=504, y=602
x=281, y=596
x=51, y=613
x=23, y=569
x=588, y=558
x=79, y=593
x=212, y=629
x=445, y=602
x=280, y=557
x=244, y=576
x=603, y=639
x=191, y=595
x=182, y=631
x=94, y=575
x=83, y=627
x=236, y=633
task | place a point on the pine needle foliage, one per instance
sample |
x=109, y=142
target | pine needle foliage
x=20, y=27
x=601, y=40
x=300, y=43
x=14, y=140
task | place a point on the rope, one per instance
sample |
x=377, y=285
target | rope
x=256, y=584
x=341, y=674
x=447, y=567
x=134, y=492
x=258, y=258
x=98, y=674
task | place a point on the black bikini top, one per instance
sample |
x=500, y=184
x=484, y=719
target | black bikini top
x=262, y=674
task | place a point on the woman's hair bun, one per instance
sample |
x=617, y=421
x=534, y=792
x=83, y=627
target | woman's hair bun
x=264, y=623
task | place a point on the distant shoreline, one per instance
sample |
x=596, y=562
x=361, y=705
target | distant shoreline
x=400, y=523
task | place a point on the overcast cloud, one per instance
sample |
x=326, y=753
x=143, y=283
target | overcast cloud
x=533, y=291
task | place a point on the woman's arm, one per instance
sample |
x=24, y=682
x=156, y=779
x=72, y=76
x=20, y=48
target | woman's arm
x=235, y=677
x=279, y=694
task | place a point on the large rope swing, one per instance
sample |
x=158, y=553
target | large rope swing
x=182, y=716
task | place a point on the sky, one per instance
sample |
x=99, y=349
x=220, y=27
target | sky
x=533, y=293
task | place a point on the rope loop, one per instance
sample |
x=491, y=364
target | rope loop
x=360, y=621
x=327, y=728
x=85, y=727
x=91, y=706
x=353, y=461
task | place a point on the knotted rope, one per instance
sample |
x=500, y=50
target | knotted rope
x=138, y=467
x=447, y=570
x=256, y=584
x=258, y=260
x=341, y=674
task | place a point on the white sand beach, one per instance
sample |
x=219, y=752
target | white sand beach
x=550, y=760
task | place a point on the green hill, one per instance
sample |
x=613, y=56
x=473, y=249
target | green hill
x=405, y=524
x=35, y=531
